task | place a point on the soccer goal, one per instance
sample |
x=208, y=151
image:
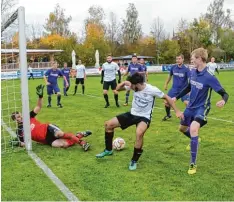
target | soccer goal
x=14, y=82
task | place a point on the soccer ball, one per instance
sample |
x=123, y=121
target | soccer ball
x=118, y=143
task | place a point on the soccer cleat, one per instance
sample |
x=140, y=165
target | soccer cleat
x=74, y=93
x=104, y=153
x=188, y=147
x=86, y=146
x=48, y=106
x=125, y=104
x=107, y=105
x=84, y=133
x=166, y=118
x=192, y=169
x=132, y=165
x=60, y=105
x=117, y=104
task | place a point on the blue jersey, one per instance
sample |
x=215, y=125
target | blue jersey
x=202, y=84
x=66, y=72
x=133, y=68
x=143, y=68
x=53, y=75
x=180, y=77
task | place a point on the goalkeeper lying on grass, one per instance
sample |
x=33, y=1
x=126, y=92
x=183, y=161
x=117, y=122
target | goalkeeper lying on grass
x=48, y=133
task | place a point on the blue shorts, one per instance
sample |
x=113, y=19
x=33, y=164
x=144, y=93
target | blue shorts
x=64, y=82
x=52, y=89
x=173, y=93
x=198, y=114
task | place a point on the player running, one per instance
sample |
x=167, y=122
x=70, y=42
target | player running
x=202, y=81
x=133, y=67
x=212, y=66
x=140, y=115
x=180, y=74
x=66, y=72
x=80, y=76
x=52, y=83
x=45, y=133
x=108, y=74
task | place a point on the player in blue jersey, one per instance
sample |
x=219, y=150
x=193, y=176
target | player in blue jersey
x=66, y=72
x=180, y=74
x=200, y=86
x=144, y=71
x=133, y=67
x=52, y=84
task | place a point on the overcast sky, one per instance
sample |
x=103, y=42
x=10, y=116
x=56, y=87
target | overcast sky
x=170, y=11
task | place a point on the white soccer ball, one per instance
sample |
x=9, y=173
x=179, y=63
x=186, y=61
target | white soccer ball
x=118, y=143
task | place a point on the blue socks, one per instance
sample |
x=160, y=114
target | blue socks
x=194, y=148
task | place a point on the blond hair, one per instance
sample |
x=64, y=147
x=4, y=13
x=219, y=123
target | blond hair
x=200, y=52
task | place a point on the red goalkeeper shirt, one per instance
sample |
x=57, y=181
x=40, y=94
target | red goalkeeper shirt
x=38, y=130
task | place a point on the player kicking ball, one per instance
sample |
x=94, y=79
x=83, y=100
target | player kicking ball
x=140, y=115
x=202, y=81
x=45, y=133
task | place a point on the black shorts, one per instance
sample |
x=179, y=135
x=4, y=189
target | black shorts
x=79, y=80
x=50, y=135
x=107, y=84
x=127, y=119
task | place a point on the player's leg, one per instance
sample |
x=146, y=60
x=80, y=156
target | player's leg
x=64, y=88
x=76, y=85
x=83, y=86
x=72, y=139
x=62, y=143
x=32, y=76
x=49, y=93
x=171, y=94
x=127, y=97
x=113, y=87
x=57, y=92
x=68, y=80
x=199, y=121
x=105, y=93
x=140, y=131
x=110, y=125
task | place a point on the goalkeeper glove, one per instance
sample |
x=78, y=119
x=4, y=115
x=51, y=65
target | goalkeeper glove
x=39, y=91
x=119, y=81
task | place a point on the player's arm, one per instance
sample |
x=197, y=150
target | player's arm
x=168, y=78
x=45, y=77
x=216, y=86
x=125, y=85
x=184, y=92
x=216, y=69
x=119, y=73
x=37, y=109
x=84, y=73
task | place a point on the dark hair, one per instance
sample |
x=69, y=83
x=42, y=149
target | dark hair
x=136, y=78
x=13, y=115
x=109, y=55
x=134, y=56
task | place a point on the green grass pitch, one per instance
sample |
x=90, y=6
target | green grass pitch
x=162, y=169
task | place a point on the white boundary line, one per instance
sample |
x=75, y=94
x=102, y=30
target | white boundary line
x=60, y=185
x=160, y=108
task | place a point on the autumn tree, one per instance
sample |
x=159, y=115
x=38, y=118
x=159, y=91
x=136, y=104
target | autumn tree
x=57, y=22
x=131, y=26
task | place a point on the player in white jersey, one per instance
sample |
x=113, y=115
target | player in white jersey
x=30, y=72
x=80, y=76
x=140, y=115
x=212, y=66
x=109, y=69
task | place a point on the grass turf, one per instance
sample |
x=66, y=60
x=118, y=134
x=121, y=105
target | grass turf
x=162, y=170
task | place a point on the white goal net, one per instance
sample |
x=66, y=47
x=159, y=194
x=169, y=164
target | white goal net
x=14, y=82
